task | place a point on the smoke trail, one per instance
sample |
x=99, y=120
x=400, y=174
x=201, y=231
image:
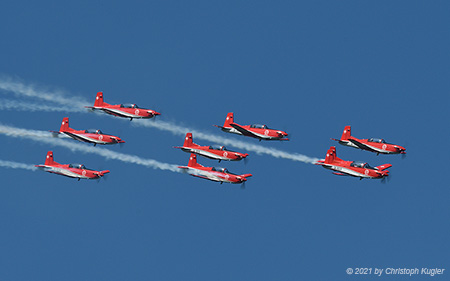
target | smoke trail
x=44, y=137
x=259, y=149
x=16, y=165
x=22, y=106
x=57, y=96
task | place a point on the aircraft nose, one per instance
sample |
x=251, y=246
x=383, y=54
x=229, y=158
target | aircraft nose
x=154, y=113
x=117, y=140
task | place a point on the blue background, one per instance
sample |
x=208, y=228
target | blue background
x=309, y=68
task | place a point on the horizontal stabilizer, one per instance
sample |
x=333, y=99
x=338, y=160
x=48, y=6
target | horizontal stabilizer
x=384, y=167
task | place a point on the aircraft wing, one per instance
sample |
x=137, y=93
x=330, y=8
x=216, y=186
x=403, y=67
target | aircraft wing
x=340, y=174
x=243, y=131
x=362, y=145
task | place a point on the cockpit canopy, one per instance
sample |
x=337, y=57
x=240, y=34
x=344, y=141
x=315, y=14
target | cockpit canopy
x=376, y=140
x=129, y=105
x=259, y=126
x=77, y=166
x=93, y=131
x=358, y=164
x=216, y=147
x=222, y=170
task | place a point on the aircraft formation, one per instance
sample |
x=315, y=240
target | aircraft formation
x=220, y=153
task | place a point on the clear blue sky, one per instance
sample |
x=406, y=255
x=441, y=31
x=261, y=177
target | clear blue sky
x=307, y=68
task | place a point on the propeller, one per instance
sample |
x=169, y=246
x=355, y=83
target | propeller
x=105, y=177
x=403, y=156
x=154, y=116
x=386, y=179
x=246, y=159
x=243, y=184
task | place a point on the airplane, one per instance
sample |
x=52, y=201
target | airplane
x=261, y=132
x=352, y=168
x=78, y=171
x=122, y=110
x=217, y=153
x=372, y=144
x=90, y=136
x=212, y=173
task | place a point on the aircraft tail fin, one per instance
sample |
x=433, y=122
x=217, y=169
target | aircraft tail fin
x=65, y=125
x=99, y=99
x=347, y=133
x=246, y=175
x=193, y=161
x=188, y=141
x=229, y=119
x=331, y=155
x=49, y=159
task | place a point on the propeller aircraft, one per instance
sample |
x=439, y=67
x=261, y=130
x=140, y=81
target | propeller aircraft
x=261, y=132
x=373, y=144
x=78, y=171
x=212, y=173
x=352, y=168
x=217, y=153
x=90, y=136
x=122, y=110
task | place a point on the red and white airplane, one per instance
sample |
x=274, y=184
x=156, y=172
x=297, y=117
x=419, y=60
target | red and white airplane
x=122, y=110
x=261, y=132
x=372, y=144
x=217, y=153
x=78, y=171
x=212, y=173
x=90, y=136
x=352, y=168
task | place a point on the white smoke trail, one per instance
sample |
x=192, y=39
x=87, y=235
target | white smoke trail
x=58, y=97
x=16, y=165
x=23, y=106
x=44, y=137
x=259, y=149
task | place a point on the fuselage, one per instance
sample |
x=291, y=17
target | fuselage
x=127, y=112
x=378, y=146
x=92, y=137
x=72, y=172
x=215, y=154
x=210, y=173
x=355, y=169
x=256, y=131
